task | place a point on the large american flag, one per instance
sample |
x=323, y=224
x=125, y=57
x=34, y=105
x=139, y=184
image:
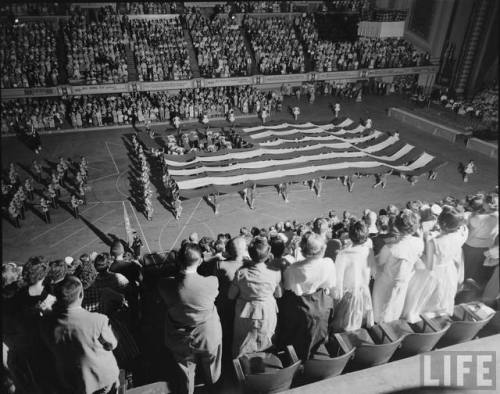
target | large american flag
x=294, y=153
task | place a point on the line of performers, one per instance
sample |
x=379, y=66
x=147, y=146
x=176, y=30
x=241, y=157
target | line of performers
x=19, y=193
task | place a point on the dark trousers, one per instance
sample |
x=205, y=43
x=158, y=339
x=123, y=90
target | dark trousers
x=76, y=213
x=46, y=217
x=54, y=202
x=16, y=222
x=23, y=216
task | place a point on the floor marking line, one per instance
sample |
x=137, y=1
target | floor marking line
x=186, y=223
x=81, y=229
x=102, y=177
x=56, y=226
x=161, y=233
x=112, y=158
x=140, y=227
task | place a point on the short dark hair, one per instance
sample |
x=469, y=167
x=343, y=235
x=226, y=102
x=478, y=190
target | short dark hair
x=69, y=290
x=189, y=254
x=320, y=226
x=57, y=270
x=358, y=232
x=87, y=274
x=102, y=262
x=383, y=223
x=35, y=269
x=259, y=249
x=277, y=247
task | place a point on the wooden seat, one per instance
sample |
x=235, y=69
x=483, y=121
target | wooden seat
x=372, y=347
x=330, y=360
x=153, y=388
x=467, y=320
x=266, y=376
x=417, y=338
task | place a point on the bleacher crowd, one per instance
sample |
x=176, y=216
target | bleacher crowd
x=96, y=48
x=364, y=53
x=104, y=110
x=219, y=45
x=150, y=7
x=240, y=293
x=28, y=55
x=160, y=49
x=275, y=44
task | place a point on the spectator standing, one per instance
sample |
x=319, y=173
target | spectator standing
x=254, y=288
x=307, y=302
x=192, y=326
x=69, y=327
x=395, y=268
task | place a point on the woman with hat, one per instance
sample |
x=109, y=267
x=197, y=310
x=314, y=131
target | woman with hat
x=433, y=288
x=306, y=303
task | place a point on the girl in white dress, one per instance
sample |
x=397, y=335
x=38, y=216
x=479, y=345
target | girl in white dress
x=395, y=268
x=433, y=288
x=352, y=299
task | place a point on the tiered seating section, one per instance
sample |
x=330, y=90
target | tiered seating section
x=93, y=47
x=28, y=55
x=219, y=45
x=160, y=49
x=96, y=48
x=275, y=44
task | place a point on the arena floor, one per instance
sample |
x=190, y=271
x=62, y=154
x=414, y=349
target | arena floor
x=103, y=217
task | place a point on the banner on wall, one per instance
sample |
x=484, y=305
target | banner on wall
x=211, y=82
x=98, y=89
x=165, y=85
x=284, y=78
x=261, y=80
x=152, y=16
x=330, y=75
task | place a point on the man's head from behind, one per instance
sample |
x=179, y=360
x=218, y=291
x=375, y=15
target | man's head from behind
x=70, y=292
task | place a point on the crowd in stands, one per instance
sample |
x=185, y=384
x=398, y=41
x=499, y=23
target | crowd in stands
x=363, y=53
x=483, y=107
x=104, y=110
x=96, y=48
x=275, y=45
x=150, y=7
x=241, y=293
x=28, y=55
x=37, y=113
x=33, y=9
x=346, y=5
x=244, y=7
x=160, y=49
x=219, y=45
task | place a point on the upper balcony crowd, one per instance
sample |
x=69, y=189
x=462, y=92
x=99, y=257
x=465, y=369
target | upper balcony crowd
x=48, y=45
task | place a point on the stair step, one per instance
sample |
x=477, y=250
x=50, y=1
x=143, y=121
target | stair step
x=246, y=40
x=192, y=54
x=133, y=75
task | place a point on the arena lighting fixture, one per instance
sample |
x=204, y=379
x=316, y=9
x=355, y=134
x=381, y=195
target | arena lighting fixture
x=16, y=20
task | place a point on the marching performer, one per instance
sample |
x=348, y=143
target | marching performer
x=469, y=169
x=44, y=206
x=296, y=112
x=337, y=110
x=75, y=204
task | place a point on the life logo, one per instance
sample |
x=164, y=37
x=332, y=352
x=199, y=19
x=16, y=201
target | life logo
x=462, y=370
